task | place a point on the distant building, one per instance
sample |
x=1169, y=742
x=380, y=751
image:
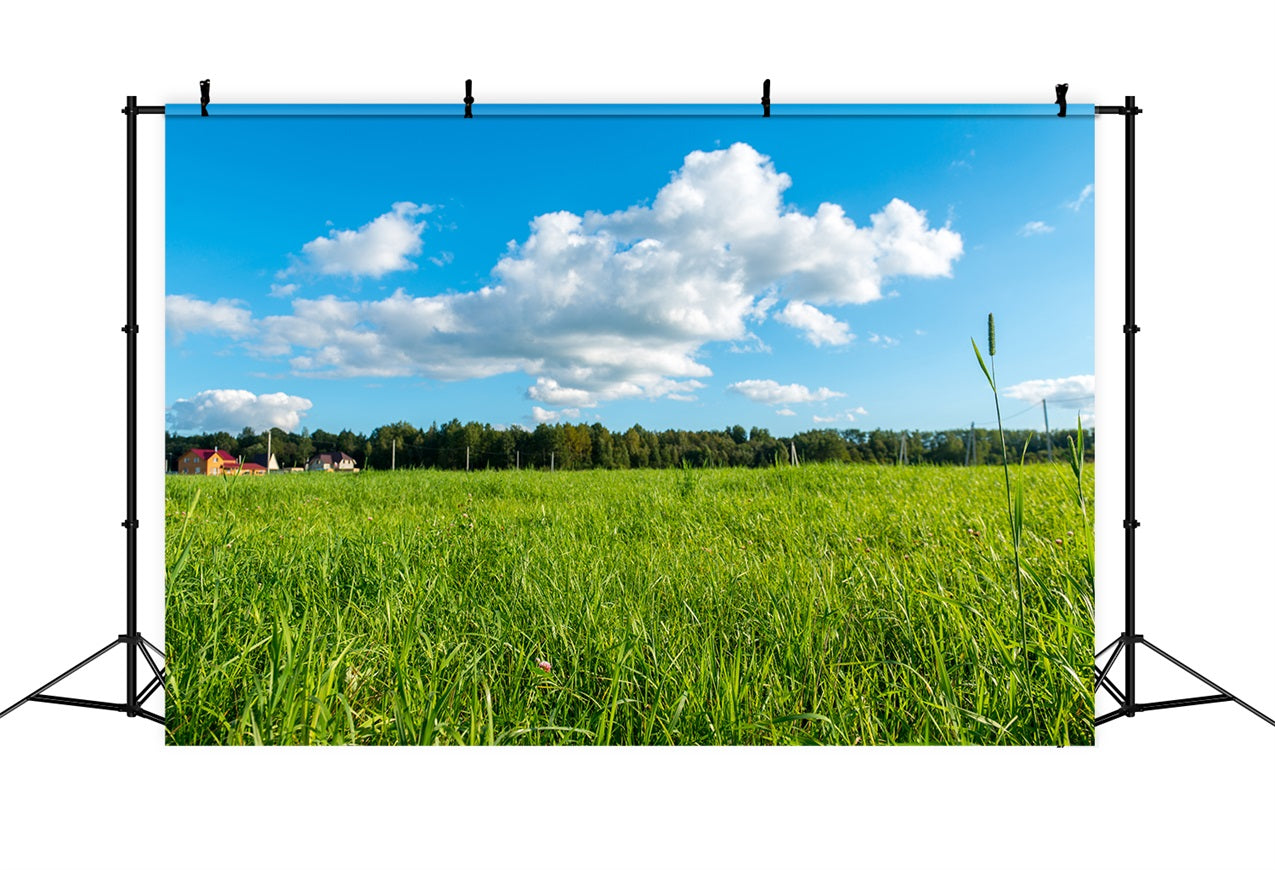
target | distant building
x=267, y=462
x=252, y=468
x=338, y=461
x=202, y=461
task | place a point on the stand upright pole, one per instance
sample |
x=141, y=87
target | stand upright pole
x=132, y=640
x=1130, y=449
x=130, y=330
x=1129, y=640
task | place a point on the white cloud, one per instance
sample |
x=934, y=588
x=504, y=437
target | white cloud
x=379, y=246
x=605, y=306
x=544, y=415
x=843, y=416
x=751, y=343
x=1071, y=392
x=725, y=210
x=1085, y=193
x=770, y=392
x=1034, y=228
x=882, y=340
x=187, y=314
x=232, y=410
x=549, y=391
x=820, y=328
x=786, y=412
x=282, y=290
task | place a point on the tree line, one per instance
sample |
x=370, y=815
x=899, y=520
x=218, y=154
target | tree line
x=568, y=446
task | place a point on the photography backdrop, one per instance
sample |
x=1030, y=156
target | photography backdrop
x=984, y=51
x=741, y=345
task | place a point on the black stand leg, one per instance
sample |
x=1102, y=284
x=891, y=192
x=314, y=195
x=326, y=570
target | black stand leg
x=132, y=705
x=132, y=640
x=1129, y=706
x=1129, y=641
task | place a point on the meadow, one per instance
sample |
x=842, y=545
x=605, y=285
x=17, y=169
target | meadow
x=823, y=604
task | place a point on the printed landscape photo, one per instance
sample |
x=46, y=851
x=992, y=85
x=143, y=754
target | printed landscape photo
x=605, y=427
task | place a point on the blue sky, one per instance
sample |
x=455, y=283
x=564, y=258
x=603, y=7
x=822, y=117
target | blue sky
x=684, y=271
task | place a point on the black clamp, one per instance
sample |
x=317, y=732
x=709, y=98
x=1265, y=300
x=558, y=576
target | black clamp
x=765, y=98
x=129, y=524
x=1117, y=110
x=204, y=86
x=130, y=328
x=469, y=98
x=1131, y=329
x=1060, y=99
x=1131, y=524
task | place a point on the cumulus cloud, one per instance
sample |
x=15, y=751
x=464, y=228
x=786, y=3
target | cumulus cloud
x=1085, y=193
x=1075, y=391
x=819, y=328
x=550, y=391
x=232, y=410
x=786, y=412
x=379, y=246
x=604, y=306
x=882, y=340
x=187, y=314
x=1034, y=228
x=770, y=392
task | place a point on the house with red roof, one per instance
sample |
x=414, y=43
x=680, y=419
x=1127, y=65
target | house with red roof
x=203, y=461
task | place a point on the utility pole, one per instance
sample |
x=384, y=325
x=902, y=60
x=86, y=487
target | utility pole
x=792, y=454
x=551, y=460
x=903, y=448
x=969, y=446
x=1049, y=441
x=467, y=457
x=393, y=453
x=517, y=460
x=269, y=447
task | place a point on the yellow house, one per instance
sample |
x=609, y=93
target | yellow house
x=202, y=461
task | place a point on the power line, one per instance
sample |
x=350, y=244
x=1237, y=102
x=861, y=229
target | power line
x=1033, y=406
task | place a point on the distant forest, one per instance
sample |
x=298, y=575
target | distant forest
x=567, y=446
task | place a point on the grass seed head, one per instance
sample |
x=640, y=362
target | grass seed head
x=991, y=335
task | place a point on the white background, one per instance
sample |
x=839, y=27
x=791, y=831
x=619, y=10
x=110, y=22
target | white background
x=1184, y=788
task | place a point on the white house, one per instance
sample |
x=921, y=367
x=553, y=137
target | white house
x=338, y=461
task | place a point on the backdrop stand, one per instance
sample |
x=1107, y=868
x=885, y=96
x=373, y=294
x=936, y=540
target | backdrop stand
x=132, y=640
x=134, y=643
x=1129, y=640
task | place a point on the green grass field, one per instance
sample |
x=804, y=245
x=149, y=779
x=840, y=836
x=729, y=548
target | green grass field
x=838, y=604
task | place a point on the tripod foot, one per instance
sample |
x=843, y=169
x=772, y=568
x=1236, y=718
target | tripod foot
x=1128, y=706
x=133, y=707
